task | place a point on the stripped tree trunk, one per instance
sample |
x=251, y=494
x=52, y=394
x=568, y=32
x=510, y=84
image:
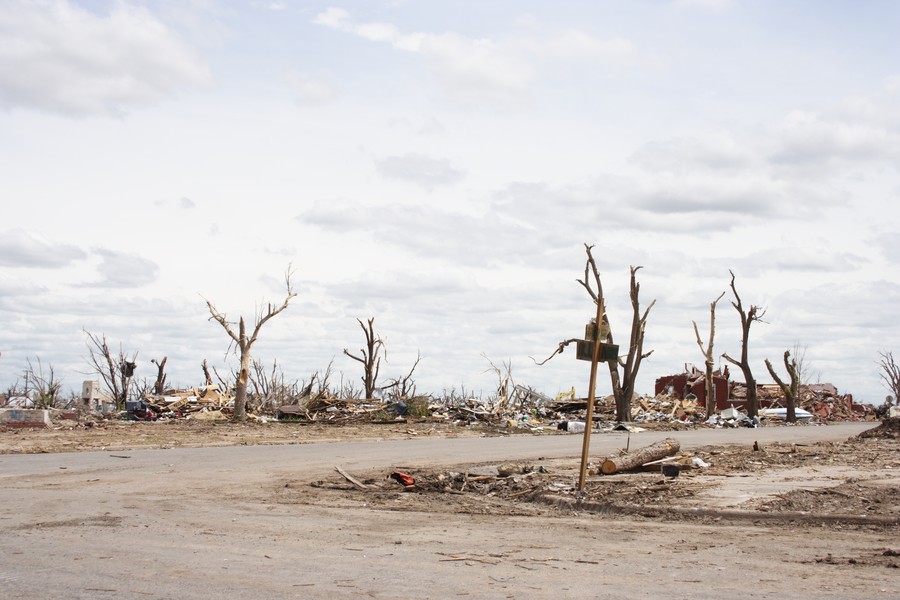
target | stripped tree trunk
x=245, y=342
x=790, y=391
x=747, y=318
x=708, y=356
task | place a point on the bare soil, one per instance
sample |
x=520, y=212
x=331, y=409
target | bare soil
x=858, y=478
x=851, y=483
x=73, y=436
x=802, y=520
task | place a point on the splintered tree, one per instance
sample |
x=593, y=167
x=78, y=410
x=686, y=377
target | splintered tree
x=244, y=342
x=622, y=384
x=159, y=386
x=404, y=387
x=890, y=374
x=708, y=357
x=115, y=370
x=46, y=387
x=791, y=390
x=369, y=357
x=755, y=313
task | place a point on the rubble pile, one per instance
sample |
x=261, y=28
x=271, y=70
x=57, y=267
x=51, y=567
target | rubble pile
x=824, y=401
x=520, y=408
x=328, y=409
x=889, y=429
x=821, y=399
x=204, y=402
x=523, y=408
x=662, y=408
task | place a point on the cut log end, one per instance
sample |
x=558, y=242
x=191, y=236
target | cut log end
x=640, y=457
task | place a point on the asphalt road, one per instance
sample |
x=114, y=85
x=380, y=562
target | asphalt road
x=257, y=461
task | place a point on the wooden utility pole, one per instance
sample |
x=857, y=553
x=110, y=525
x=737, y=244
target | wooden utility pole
x=589, y=419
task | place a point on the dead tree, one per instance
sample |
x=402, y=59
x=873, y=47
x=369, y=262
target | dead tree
x=622, y=385
x=804, y=367
x=45, y=386
x=708, y=357
x=755, y=313
x=404, y=387
x=206, y=376
x=115, y=371
x=505, y=382
x=244, y=342
x=792, y=390
x=369, y=357
x=890, y=375
x=159, y=386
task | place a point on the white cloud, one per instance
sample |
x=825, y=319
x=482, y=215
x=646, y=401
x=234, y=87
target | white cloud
x=311, y=91
x=58, y=57
x=889, y=244
x=332, y=17
x=13, y=289
x=819, y=139
x=577, y=46
x=276, y=6
x=719, y=151
x=422, y=170
x=124, y=270
x=20, y=248
x=483, y=70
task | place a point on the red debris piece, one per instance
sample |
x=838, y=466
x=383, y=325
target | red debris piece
x=402, y=478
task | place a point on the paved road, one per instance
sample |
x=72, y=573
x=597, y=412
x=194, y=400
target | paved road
x=256, y=461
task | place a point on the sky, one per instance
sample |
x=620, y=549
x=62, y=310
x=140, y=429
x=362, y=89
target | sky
x=438, y=166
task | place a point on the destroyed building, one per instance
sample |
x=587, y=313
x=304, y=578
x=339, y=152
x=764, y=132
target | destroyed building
x=821, y=399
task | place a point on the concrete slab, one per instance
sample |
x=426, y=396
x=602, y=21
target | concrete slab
x=24, y=417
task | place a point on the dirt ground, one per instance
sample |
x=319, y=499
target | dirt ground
x=785, y=520
x=850, y=483
x=72, y=436
x=858, y=479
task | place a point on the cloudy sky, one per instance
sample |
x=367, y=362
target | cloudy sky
x=438, y=166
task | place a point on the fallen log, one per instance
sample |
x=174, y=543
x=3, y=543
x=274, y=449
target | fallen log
x=640, y=457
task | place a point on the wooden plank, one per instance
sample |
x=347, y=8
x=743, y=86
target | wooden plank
x=351, y=479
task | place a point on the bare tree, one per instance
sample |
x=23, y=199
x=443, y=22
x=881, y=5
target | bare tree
x=890, y=374
x=505, y=382
x=405, y=386
x=622, y=385
x=369, y=357
x=159, y=386
x=804, y=368
x=317, y=387
x=45, y=386
x=244, y=342
x=791, y=391
x=207, y=378
x=708, y=357
x=271, y=389
x=115, y=371
x=755, y=313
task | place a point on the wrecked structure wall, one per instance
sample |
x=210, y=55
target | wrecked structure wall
x=684, y=383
